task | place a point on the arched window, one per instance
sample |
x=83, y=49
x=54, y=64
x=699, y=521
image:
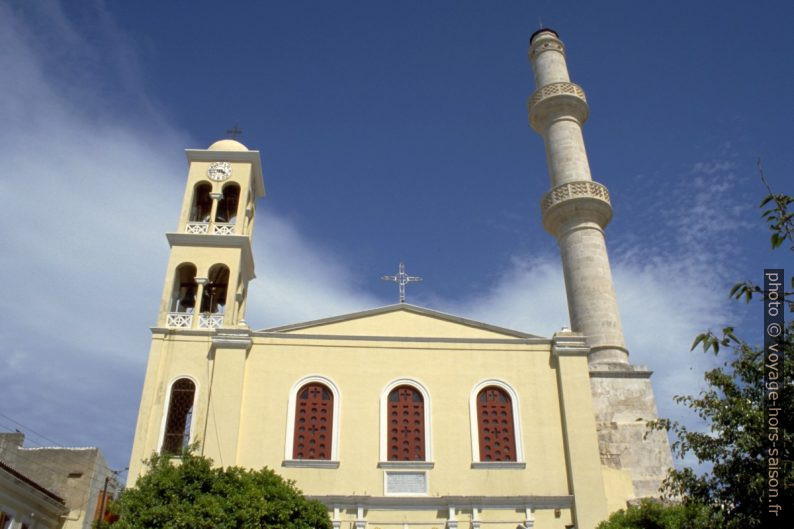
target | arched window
x=495, y=426
x=183, y=297
x=179, y=417
x=213, y=300
x=201, y=207
x=314, y=422
x=227, y=206
x=406, y=424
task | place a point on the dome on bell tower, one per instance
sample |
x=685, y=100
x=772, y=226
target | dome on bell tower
x=227, y=145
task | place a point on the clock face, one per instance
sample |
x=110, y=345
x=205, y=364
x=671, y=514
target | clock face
x=219, y=171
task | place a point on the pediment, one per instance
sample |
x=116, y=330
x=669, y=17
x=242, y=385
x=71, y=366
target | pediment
x=402, y=320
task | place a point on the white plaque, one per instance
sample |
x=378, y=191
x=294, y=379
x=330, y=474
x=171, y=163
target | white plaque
x=406, y=482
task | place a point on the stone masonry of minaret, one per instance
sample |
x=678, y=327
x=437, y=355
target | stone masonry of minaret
x=576, y=210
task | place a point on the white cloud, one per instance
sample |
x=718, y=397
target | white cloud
x=91, y=190
x=299, y=280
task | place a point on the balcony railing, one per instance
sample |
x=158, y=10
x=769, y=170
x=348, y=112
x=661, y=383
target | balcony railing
x=210, y=321
x=222, y=228
x=197, y=227
x=184, y=320
x=179, y=319
x=218, y=228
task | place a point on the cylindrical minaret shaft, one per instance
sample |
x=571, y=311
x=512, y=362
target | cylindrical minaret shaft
x=576, y=209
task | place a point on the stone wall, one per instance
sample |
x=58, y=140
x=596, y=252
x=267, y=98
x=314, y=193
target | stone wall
x=623, y=401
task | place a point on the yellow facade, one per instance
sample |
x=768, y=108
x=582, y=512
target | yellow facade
x=246, y=383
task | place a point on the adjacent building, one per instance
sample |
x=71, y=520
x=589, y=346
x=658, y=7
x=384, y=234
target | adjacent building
x=50, y=487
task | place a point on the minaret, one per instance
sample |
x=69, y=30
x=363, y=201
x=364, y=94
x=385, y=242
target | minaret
x=576, y=209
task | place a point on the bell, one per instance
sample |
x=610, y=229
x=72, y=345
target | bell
x=188, y=301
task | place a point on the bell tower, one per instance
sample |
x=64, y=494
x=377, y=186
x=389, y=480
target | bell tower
x=211, y=262
x=197, y=360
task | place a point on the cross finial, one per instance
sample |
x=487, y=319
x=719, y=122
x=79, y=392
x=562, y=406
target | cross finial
x=402, y=279
x=234, y=131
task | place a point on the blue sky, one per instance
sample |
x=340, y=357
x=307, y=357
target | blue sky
x=388, y=132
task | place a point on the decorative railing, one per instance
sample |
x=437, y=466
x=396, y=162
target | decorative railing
x=223, y=229
x=179, y=319
x=210, y=321
x=556, y=89
x=203, y=228
x=197, y=227
x=581, y=189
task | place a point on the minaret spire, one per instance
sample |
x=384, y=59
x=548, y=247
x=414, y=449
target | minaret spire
x=576, y=209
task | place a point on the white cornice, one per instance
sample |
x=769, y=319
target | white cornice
x=243, y=242
x=425, y=502
x=566, y=343
x=232, y=339
x=403, y=339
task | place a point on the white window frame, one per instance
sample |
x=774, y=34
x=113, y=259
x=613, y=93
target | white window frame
x=384, y=423
x=167, y=404
x=475, y=432
x=336, y=424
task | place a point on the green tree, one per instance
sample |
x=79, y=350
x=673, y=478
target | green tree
x=734, y=447
x=653, y=514
x=188, y=493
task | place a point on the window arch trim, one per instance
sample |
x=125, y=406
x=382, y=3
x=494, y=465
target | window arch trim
x=384, y=416
x=167, y=404
x=336, y=423
x=475, y=425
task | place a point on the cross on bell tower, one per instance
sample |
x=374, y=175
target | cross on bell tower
x=234, y=131
x=402, y=279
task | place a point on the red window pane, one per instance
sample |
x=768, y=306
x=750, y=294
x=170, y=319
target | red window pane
x=495, y=424
x=180, y=413
x=406, y=425
x=314, y=416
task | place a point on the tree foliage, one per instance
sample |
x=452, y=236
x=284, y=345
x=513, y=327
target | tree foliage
x=734, y=447
x=188, y=493
x=652, y=514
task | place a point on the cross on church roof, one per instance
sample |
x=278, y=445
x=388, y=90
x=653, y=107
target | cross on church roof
x=234, y=131
x=402, y=279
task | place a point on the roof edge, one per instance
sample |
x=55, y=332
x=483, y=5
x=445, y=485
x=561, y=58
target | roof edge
x=22, y=477
x=406, y=307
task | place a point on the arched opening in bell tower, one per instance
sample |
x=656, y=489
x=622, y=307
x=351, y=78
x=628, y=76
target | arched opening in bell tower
x=227, y=206
x=201, y=206
x=213, y=300
x=183, y=297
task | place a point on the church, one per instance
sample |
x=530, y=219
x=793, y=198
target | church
x=402, y=416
